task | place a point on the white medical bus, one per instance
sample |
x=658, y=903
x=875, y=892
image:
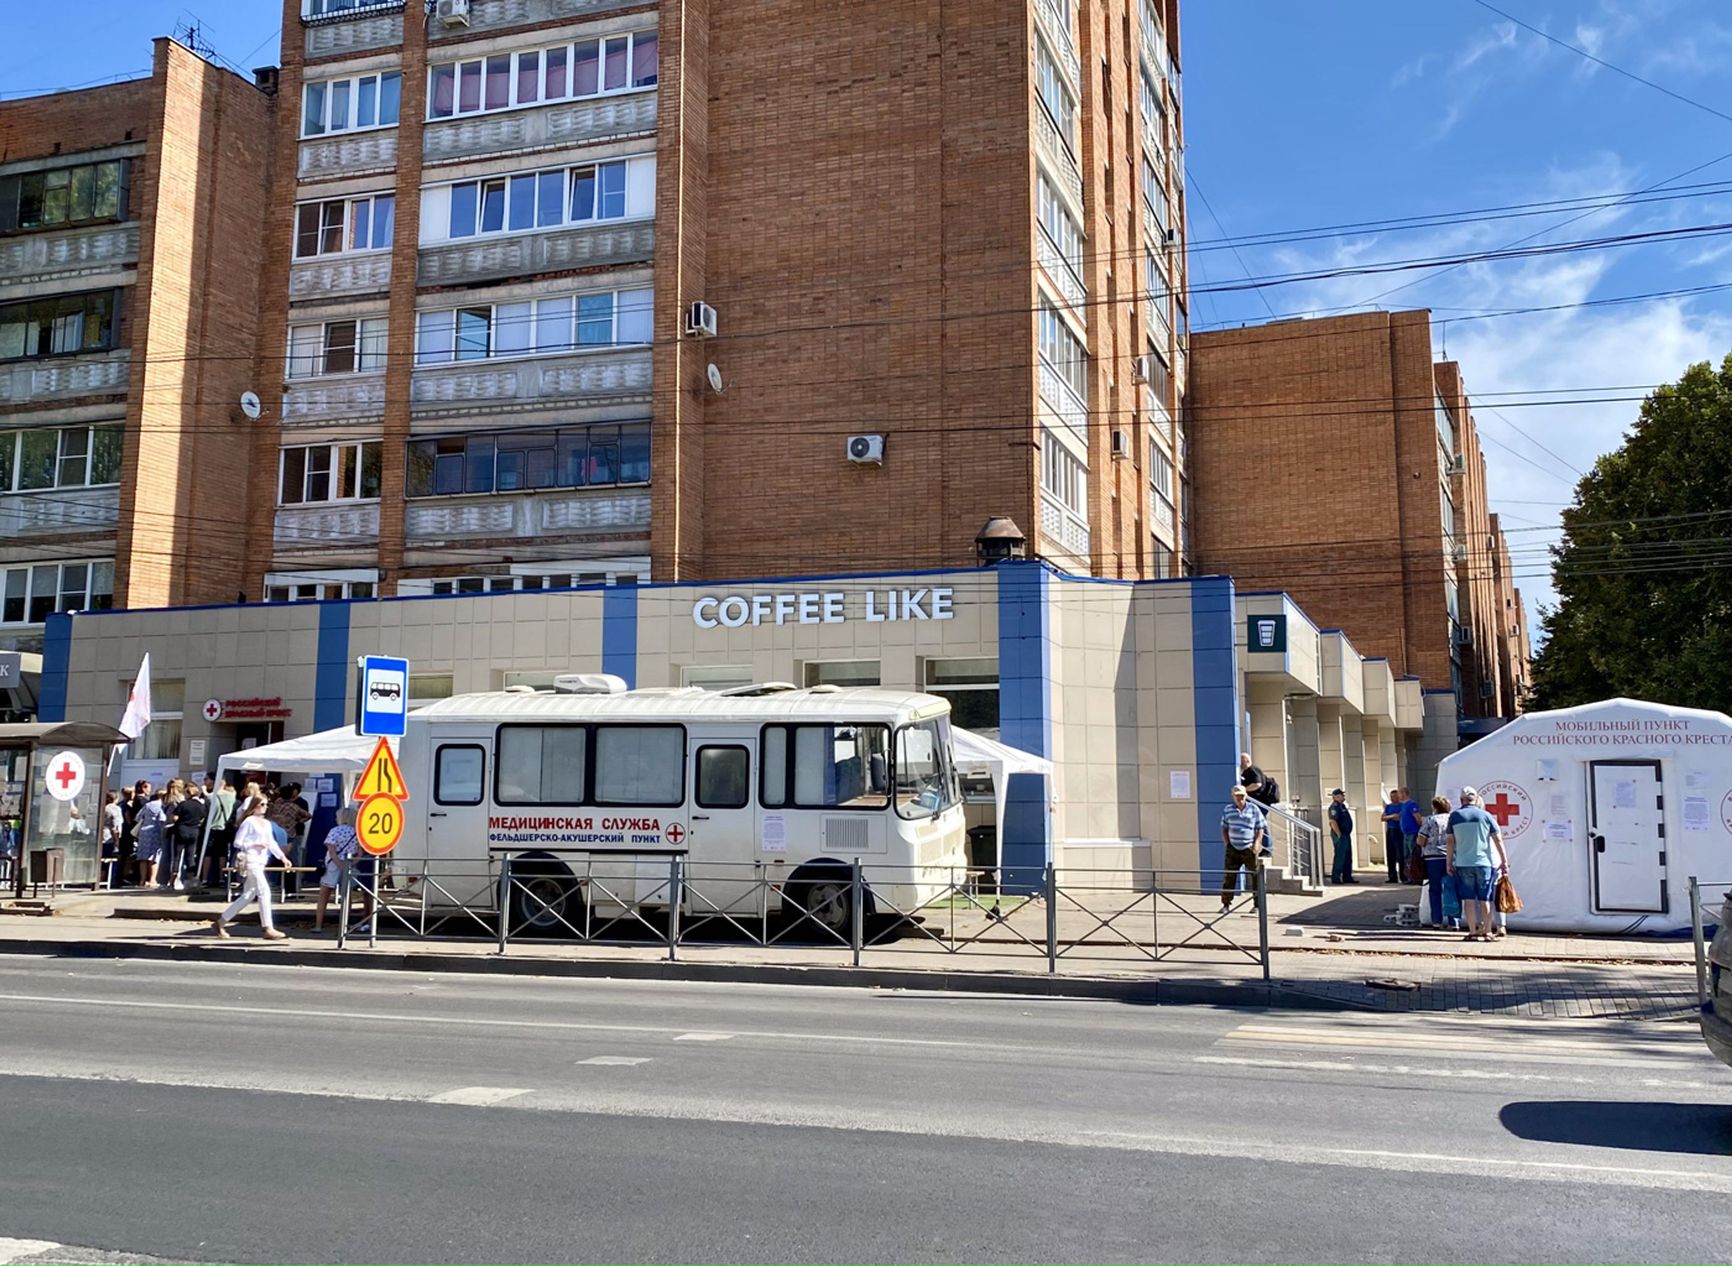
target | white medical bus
x=770, y=795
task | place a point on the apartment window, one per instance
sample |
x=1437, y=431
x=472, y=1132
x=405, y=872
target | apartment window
x=89, y=193
x=536, y=200
x=1445, y=428
x=1160, y=376
x=64, y=325
x=563, y=72
x=345, y=224
x=1155, y=194
x=30, y=594
x=346, y=105
x=320, y=586
x=1161, y=508
x=525, y=461
x=1055, y=94
x=1061, y=230
x=60, y=457
x=336, y=347
x=329, y=472
x=1063, y=476
x=161, y=738
x=971, y=686
x=844, y=672
x=1061, y=349
x=563, y=323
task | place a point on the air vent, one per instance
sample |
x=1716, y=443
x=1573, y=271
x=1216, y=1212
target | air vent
x=845, y=835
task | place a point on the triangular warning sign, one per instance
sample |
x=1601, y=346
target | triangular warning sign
x=382, y=777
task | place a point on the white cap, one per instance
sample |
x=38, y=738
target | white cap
x=1469, y=793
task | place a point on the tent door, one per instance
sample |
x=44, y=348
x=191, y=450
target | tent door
x=1627, y=836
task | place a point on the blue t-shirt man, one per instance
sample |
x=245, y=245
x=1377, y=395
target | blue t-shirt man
x=1474, y=831
x=1409, y=817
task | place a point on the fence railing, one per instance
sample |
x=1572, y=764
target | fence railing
x=1297, y=845
x=1707, y=899
x=662, y=898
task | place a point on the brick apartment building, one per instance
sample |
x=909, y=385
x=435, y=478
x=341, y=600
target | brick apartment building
x=130, y=224
x=956, y=227
x=1343, y=466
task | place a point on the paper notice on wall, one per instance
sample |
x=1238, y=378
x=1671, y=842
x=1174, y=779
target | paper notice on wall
x=1696, y=813
x=775, y=835
x=1624, y=794
x=1560, y=806
x=1559, y=831
x=327, y=800
x=1547, y=771
x=1697, y=779
x=195, y=752
x=1179, y=784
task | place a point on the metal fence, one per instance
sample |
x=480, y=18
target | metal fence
x=662, y=898
x=1296, y=846
x=1707, y=899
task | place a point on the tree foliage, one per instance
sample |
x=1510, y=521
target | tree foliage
x=1644, y=567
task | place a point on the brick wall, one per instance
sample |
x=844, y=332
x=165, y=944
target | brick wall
x=65, y=122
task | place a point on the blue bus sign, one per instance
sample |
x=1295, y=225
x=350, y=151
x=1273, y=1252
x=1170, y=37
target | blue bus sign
x=382, y=697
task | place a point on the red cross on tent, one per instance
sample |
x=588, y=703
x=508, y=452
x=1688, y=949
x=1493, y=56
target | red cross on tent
x=1503, y=809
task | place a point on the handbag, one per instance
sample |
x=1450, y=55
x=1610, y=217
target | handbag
x=1507, y=900
x=1414, y=866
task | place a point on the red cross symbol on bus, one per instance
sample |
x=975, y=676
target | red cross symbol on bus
x=67, y=775
x=676, y=833
x=1503, y=809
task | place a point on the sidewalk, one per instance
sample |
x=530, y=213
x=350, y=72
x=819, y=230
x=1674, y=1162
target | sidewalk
x=1342, y=964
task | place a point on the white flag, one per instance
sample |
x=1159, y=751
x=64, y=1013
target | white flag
x=137, y=714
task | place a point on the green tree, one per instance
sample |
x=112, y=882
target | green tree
x=1644, y=567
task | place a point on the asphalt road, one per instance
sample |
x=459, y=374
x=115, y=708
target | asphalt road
x=238, y=1114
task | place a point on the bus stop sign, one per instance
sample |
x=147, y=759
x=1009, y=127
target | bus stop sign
x=382, y=697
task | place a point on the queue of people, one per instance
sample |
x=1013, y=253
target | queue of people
x=157, y=838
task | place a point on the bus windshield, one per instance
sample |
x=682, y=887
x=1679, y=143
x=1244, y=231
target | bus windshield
x=925, y=773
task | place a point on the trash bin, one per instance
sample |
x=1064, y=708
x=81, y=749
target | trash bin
x=47, y=866
x=983, y=856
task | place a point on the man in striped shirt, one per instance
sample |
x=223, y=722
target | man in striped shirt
x=1242, y=825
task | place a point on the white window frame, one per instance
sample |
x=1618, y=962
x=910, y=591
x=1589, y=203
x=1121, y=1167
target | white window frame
x=334, y=455
x=1063, y=475
x=435, y=346
x=1062, y=349
x=636, y=189
x=346, y=229
x=323, y=585
x=11, y=470
x=1059, y=225
x=351, y=121
x=370, y=335
x=31, y=573
x=1050, y=84
x=517, y=62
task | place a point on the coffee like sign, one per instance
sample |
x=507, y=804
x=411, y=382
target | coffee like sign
x=735, y=611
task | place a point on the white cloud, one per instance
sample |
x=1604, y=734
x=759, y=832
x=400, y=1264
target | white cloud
x=1500, y=37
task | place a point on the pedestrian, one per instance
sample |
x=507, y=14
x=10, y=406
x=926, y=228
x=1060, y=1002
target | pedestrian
x=255, y=843
x=1341, y=834
x=1266, y=792
x=1433, y=848
x=129, y=864
x=113, y=825
x=151, y=830
x=341, y=845
x=288, y=812
x=220, y=814
x=1410, y=822
x=189, y=817
x=1473, y=852
x=1242, y=829
x=1394, y=842
x=298, y=836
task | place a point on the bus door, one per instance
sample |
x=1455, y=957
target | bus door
x=723, y=836
x=456, y=815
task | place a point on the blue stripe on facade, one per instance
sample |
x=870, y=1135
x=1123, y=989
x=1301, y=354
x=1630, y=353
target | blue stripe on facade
x=619, y=632
x=334, y=669
x=1024, y=657
x=1215, y=695
x=56, y=668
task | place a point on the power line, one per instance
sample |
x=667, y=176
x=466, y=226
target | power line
x=1192, y=183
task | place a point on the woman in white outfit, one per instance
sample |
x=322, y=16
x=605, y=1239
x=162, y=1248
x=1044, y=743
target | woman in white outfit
x=255, y=845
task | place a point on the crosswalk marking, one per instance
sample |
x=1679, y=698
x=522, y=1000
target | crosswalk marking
x=1359, y=1066
x=613, y=1061
x=703, y=1037
x=478, y=1096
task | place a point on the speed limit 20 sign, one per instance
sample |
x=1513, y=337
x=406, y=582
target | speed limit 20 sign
x=380, y=824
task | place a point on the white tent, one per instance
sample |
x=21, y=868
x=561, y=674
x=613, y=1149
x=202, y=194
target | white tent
x=339, y=751
x=977, y=754
x=1606, y=811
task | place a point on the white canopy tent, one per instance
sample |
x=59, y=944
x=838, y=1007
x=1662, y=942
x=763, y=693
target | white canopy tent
x=977, y=754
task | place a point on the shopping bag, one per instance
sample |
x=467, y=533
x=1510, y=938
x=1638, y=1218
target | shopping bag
x=1507, y=900
x=1451, y=900
x=1414, y=866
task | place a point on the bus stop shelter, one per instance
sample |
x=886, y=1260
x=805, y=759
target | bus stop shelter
x=53, y=777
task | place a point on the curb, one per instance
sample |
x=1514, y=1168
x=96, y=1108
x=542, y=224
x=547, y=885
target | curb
x=1252, y=994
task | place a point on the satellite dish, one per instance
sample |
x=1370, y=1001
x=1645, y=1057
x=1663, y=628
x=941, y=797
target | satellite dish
x=251, y=405
x=715, y=377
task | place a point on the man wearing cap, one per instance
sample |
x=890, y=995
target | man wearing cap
x=1341, y=832
x=1473, y=853
x=1242, y=833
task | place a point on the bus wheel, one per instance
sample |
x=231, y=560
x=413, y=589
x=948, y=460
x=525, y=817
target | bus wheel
x=825, y=899
x=544, y=900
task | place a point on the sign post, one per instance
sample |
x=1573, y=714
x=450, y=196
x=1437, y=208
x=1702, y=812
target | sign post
x=382, y=696
x=381, y=709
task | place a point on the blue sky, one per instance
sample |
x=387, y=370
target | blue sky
x=1320, y=114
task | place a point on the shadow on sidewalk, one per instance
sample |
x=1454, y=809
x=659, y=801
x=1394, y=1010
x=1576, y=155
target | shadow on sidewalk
x=1699, y=1129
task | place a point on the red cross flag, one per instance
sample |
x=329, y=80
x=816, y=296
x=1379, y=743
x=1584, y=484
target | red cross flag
x=137, y=714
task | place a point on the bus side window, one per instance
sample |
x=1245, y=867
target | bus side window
x=773, y=763
x=458, y=773
x=724, y=777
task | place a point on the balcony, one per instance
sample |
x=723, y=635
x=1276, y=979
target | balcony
x=491, y=258
x=61, y=512
x=340, y=276
x=65, y=378
x=565, y=124
x=376, y=26
x=1061, y=41
x=327, y=157
x=1056, y=155
x=1161, y=515
x=325, y=526
x=1064, y=403
x=528, y=515
x=43, y=258
x=333, y=399
x=493, y=15
x=1058, y=271
x=1064, y=529
x=606, y=377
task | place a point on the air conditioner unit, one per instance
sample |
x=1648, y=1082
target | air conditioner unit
x=701, y=319
x=1459, y=553
x=1460, y=464
x=1464, y=637
x=453, y=12
x=1121, y=443
x=866, y=450
x=1141, y=368
x=1172, y=236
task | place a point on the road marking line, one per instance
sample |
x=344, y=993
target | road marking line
x=613, y=1061
x=1457, y=1074
x=703, y=1037
x=478, y=1096
x=1430, y=1041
